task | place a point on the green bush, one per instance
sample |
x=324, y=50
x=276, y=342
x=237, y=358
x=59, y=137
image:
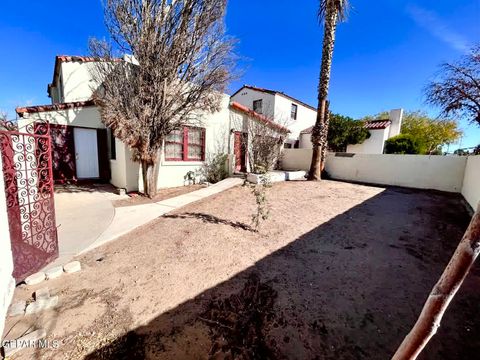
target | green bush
x=214, y=169
x=403, y=144
x=344, y=131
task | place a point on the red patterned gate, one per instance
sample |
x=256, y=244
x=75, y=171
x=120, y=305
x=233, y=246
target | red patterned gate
x=27, y=169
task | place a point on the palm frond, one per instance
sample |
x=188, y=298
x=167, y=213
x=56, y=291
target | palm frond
x=342, y=7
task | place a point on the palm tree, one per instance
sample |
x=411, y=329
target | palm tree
x=331, y=12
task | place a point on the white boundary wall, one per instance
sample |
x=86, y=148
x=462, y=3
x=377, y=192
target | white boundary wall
x=471, y=182
x=446, y=173
x=7, y=283
x=296, y=159
x=417, y=171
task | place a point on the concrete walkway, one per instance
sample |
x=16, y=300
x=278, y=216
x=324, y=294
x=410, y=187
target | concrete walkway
x=129, y=218
x=82, y=215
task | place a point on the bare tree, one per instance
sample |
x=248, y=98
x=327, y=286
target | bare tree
x=180, y=63
x=442, y=293
x=457, y=91
x=264, y=142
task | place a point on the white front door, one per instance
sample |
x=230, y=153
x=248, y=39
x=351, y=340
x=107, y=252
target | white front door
x=86, y=153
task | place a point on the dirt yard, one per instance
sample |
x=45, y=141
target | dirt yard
x=339, y=271
x=163, y=194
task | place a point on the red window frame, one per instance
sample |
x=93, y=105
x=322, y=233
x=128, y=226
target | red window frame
x=185, y=144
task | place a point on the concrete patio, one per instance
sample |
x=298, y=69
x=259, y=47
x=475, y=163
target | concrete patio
x=83, y=213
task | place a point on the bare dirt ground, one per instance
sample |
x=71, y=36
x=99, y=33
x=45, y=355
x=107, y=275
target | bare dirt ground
x=339, y=271
x=163, y=194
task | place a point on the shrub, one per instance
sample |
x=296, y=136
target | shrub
x=403, y=144
x=344, y=131
x=214, y=169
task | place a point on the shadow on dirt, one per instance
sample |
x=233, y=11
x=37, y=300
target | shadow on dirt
x=211, y=219
x=327, y=295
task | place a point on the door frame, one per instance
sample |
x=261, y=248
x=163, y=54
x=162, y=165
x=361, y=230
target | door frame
x=242, y=137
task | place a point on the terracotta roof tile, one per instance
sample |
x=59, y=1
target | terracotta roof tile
x=74, y=58
x=377, y=124
x=259, y=117
x=370, y=125
x=52, y=107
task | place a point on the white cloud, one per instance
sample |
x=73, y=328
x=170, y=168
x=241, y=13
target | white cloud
x=431, y=22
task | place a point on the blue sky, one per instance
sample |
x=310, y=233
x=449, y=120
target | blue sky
x=385, y=53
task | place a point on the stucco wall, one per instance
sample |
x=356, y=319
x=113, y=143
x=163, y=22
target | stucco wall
x=471, y=181
x=418, y=171
x=305, y=117
x=217, y=137
x=279, y=108
x=296, y=159
x=373, y=145
x=305, y=141
x=77, y=81
x=124, y=172
x=247, y=96
x=444, y=173
x=7, y=282
x=88, y=117
x=127, y=174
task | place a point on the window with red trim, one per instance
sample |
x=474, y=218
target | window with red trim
x=186, y=144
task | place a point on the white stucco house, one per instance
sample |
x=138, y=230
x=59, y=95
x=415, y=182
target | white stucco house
x=84, y=149
x=281, y=108
x=380, y=130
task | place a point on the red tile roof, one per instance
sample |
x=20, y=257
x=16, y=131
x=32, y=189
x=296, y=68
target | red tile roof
x=259, y=117
x=274, y=92
x=370, y=125
x=377, y=124
x=74, y=58
x=68, y=58
x=53, y=107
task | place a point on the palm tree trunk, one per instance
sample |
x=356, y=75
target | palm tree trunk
x=442, y=293
x=320, y=130
x=315, y=166
x=324, y=137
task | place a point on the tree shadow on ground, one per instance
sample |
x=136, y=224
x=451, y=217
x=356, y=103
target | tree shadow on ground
x=211, y=219
x=350, y=288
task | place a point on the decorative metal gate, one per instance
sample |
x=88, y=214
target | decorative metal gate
x=27, y=169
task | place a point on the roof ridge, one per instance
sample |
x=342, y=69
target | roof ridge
x=274, y=92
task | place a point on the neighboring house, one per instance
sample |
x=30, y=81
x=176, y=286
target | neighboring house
x=279, y=107
x=84, y=149
x=380, y=131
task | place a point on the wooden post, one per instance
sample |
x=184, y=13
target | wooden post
x=442, y=293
